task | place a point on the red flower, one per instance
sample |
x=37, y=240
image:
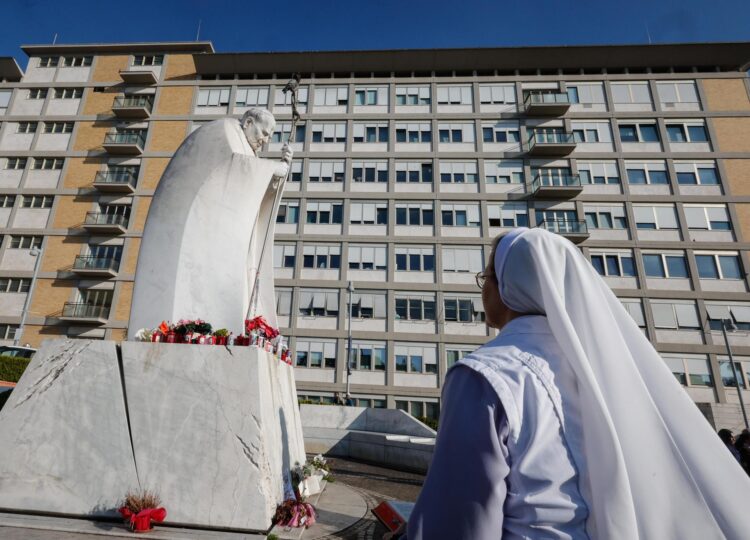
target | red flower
x=142, y=520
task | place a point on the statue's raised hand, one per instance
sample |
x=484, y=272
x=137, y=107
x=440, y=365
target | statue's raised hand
x=286, y=153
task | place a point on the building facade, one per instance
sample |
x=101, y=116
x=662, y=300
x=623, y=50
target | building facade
x=407, y=165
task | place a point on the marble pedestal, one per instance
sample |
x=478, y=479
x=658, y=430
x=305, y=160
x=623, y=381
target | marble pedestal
x=212, y=429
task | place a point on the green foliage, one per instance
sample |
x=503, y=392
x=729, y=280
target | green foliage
x=429, y=422
x=11, y=368
x=272, y=537
x=222, y=332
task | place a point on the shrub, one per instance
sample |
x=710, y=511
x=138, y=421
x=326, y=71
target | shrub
x=11, y=368
x=429, y=422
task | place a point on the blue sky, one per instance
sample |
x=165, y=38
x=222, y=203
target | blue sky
x=371, y=24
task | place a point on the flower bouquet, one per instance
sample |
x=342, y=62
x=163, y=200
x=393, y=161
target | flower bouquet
x=221, y=336
x=141, y=509
x=295, y=513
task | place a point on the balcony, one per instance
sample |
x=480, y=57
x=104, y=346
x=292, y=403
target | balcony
x=551, y=143
x=105, y=223
x=133, y=106
x=124, y=143
x=141, y=77
x=547, y=186
x=85, y=313
x=96, y=266
x=115, y=181
x=575, y=231
x=541, y=103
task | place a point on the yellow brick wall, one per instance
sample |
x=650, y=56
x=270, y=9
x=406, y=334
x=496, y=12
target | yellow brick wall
x=91, y=135
x=180, y=67
x=60, y=253
x=732, y=134
x=81, y=172
x=119, y=335
x=96, y=103
x=141, y=212
x=738, y=176
x=34, y=334
x=175, y=100
x=71, y=210
x=743, y=213
x=153, y=169
x=122, y=309
x=726, y=95
x=50, y=295
x=107, y=68
x=167, y=136
x=130, y=260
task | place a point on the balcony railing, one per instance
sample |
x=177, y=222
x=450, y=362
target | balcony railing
x=96, y=264
x=551, y=143
x=573, y=230
x=125, y=138
x=564, y=185
x=133, y=106
x=539, y=96
x=78, y=310
x=106, y=220
x=115, y=180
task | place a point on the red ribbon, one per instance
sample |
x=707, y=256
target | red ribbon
x=142, y=520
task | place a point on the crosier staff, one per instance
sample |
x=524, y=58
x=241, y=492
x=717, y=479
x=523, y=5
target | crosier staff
x=290, y=87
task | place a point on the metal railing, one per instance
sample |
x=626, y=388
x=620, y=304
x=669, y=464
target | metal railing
x=85, y=311
x=561, y=226
x=89, y=262
x=564, y=180
x=551, y=137
x=541, y=97
x=130, y=102
x=115, y=177
x=97, y=218
x=114, y=137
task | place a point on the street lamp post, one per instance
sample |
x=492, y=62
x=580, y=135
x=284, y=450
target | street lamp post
x=35, y=252
x=350, y=288
x=727, y=324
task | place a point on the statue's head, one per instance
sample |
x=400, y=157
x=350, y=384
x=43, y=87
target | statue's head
x=258, y=125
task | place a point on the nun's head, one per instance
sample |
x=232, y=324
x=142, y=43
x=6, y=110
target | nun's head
x=497, y=314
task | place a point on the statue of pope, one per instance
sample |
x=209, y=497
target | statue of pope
x=206, y=226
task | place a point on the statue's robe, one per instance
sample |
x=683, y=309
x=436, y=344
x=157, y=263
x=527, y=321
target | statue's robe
x=204, y=233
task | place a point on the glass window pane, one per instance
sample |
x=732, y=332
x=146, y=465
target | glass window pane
x=628, y=133
x=636, y=176
x=676, y=134
x=730, y=267
x=649, y=133
x=708, y=176
x=677, y=266
x=597, y=261
x=706, y=267
x=658, y=177
x=697, y=134
x=653, y=266
x=628, y=266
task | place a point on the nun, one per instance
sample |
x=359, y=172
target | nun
x=568, y=424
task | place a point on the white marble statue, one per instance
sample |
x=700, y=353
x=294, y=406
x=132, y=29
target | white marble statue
x=206, y=227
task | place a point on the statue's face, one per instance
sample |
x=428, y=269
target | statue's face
x=258, y=132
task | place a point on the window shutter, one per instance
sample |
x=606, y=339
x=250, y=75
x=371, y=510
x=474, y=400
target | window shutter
x=718, y=312
x=687, y=315
x=449, y=258
x=664, y=316
x=354, y=254
x=696, y=217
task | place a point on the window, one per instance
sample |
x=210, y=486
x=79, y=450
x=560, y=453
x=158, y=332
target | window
x=15, y=163
x=324, y=213
x=58, y=127
x=77, y=61
x=585, y=93
x=288, y=212
x=677, y=367
x=213, y=97
x=709, y=218
x=412, y=95
x=284, y=130
x=8, y=331
x=495, y=94
x=67, y=93
x=329, y=133
x=727, y=374
x=251, y=96
x=48, y=61
x=282, y=99
x=100, y=251
x=456, y=133
x=655, y=217
x=37, y=93
x=614, y=264
x=315, y=354
x=696, y=172
x=463, y=259
x=319, y=303
x=665, y=265
x=635, y=309
x=367, y=257
x=454, y=95
x=5, y=99
x=319, y=256
x=466, y=309
x=283, y=301
x=415, y=259
x=370, y=171
x=458, y=172
x=14, y=285
x=501, y=132
x=675, y=314
x=37, y=201
x=148, y=60
x=739, y=313
x=508, y=214
x=647, y=172
x=371, y=132
x=284, y=255
x=455, y=353
x=671, y=92
x=415, y=307
x=375, y=95
x=326, y=171
x=413, y=172
x=331, y=96
x=591, y=132
x=639, y=133
x=459, y=215
x=296, y=174
x=718, y=265
x=7, y=201
x=414, y=133
x=367, y=356
x=605, y=216
x=26, y=127
x=505, y=171
x=687, y=132
x=551, y=176
x=415, y=358
x=414, y=214
x=598, y=172
x=47, y=163
x=366, y=213
x=368, y=305
x=690, y=370
x=25, y=242
x=630, y=93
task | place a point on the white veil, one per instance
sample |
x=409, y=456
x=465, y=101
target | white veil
x=653, y=467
